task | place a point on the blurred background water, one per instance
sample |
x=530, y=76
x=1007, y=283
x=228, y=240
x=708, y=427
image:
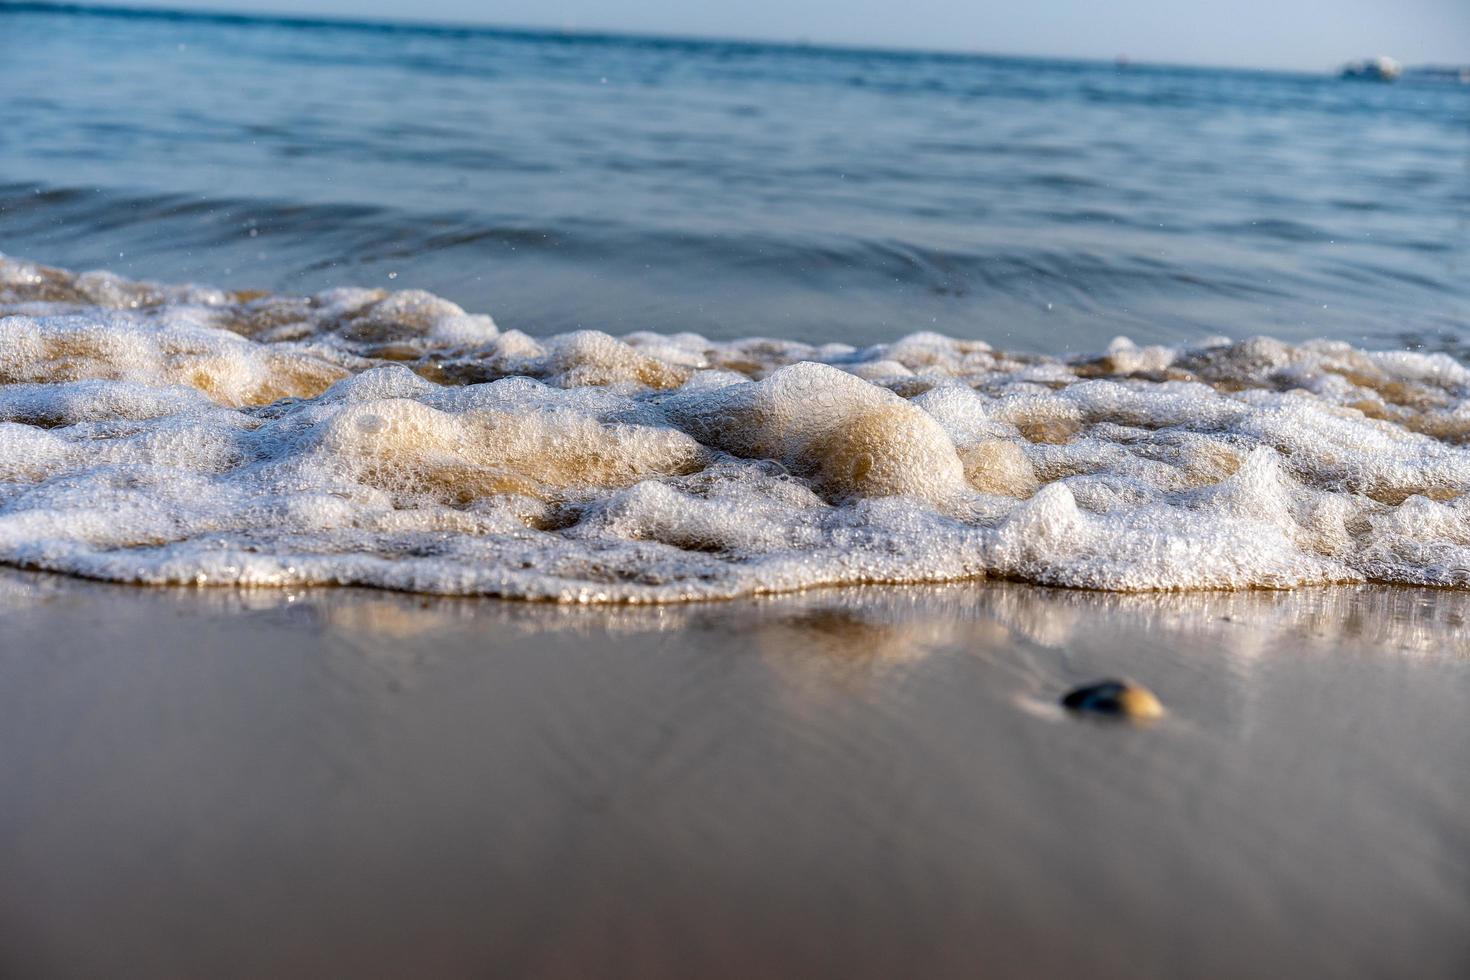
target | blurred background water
x=624, y=183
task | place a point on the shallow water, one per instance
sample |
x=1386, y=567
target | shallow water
x=623, y=184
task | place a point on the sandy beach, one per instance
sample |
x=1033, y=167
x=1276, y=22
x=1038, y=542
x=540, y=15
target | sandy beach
x=637, y=490
x=861, y=782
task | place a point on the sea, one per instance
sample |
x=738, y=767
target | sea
x=597, y=317
x=564, y=181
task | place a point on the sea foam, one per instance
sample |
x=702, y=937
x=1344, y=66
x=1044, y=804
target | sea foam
x=159, y=435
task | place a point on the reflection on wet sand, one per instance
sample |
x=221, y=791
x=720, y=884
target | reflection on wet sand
x=853, y=782
x=875, y=625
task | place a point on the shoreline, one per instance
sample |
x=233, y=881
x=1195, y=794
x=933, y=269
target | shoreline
x=982, y=580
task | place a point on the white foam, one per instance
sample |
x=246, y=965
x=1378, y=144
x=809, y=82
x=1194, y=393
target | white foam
x=178, y=434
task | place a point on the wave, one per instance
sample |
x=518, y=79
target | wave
x=309, y=238
x=182, y=434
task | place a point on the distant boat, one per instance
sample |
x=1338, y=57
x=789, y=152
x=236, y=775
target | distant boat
x=1380, y=69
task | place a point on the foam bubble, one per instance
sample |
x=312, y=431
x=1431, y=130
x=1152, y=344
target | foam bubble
x=165, y=434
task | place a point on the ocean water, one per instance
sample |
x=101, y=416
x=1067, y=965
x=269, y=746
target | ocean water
x=619, y=184
x=615, y=319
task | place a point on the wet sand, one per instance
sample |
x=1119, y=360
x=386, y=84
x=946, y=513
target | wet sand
x=853, y=783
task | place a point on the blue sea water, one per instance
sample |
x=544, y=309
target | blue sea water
x=628, y=183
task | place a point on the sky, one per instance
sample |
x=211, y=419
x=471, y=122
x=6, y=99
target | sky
x=1300, y=34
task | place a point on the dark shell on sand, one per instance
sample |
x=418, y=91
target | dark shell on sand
x=1117, y=698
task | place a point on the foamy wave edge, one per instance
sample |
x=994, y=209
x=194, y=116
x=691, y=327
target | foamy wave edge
x=166, y=435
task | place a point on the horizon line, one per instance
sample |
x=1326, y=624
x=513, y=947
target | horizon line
x=427, y=26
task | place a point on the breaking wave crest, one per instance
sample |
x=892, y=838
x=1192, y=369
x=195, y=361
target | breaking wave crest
x=158, y=434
